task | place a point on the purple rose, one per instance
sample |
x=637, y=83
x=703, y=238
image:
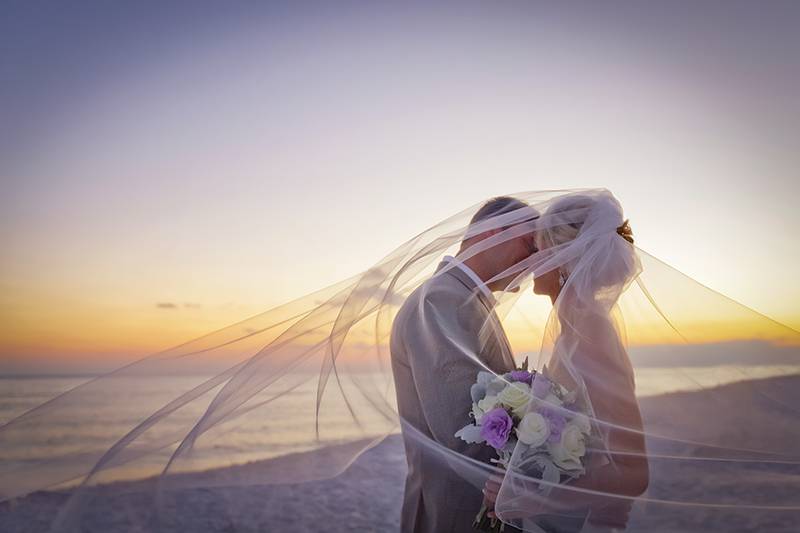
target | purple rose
x=555, y=421
x=522, y=376
x=496, y=426
x=541, y=386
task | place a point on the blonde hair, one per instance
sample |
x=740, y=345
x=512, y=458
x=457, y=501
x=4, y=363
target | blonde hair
x=563, y=223
x=565, y=219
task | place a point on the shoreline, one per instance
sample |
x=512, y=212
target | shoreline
x=367, y=495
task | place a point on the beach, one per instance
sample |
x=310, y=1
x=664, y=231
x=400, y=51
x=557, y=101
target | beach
x=367, y=496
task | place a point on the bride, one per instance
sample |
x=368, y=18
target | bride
x=589, y=357
x=689, y=397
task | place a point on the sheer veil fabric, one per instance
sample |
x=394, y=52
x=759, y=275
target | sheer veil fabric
x=692, y=397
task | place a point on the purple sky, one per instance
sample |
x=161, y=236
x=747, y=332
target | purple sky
x=236, y=155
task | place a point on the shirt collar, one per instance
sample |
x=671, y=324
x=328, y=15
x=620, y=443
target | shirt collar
x=472, y=275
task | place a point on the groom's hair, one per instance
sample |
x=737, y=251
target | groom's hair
x=500, y=205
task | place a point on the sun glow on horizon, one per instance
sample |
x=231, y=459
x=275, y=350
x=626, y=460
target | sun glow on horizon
x=169, y=187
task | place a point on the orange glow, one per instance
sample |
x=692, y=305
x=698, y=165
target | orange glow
x=65, y=329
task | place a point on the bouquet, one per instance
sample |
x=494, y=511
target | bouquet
x=530, y=411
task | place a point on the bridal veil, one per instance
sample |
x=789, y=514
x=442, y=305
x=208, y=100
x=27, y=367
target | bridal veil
x=697, y=389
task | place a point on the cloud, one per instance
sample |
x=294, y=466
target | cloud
x=173, y=305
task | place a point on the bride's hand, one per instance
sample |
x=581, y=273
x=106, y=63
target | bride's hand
x=490, y=491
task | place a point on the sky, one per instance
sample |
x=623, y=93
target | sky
x=170, y=168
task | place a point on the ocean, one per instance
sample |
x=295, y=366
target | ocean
x=276, y=427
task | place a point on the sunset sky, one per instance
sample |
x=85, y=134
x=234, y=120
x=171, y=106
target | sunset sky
x=168, y=170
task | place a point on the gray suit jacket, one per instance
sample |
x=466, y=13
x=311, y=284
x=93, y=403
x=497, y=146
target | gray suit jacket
x=439, y=325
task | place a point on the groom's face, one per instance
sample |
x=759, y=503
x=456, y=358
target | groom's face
x=510, y=253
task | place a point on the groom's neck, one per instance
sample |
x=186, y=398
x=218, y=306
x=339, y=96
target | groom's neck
x=479, y=266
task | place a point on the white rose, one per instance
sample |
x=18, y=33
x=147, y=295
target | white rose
x=496, y=386
x=517, y=396
x=583, y=423
x=573, y=440
x=533, y=430
x=567, y=453
x=486, y=404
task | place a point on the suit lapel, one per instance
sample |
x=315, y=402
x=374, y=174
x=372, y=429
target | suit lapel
x=494, y=322
x=454, y=270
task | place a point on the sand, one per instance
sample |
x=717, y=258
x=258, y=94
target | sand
x=368, y=495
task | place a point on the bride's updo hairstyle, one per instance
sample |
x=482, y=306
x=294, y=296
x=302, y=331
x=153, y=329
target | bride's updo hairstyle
x=594, y=243
x=566, y=218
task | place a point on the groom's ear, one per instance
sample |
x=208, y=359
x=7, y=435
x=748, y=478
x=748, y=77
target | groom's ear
x=486, y=234
x=494, y=231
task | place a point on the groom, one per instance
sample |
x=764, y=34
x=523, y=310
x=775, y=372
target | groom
x=444, y=331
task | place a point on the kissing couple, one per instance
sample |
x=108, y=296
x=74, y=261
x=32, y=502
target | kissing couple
x=450, y=352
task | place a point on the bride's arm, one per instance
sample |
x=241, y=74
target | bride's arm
x=602, y=364
x=625, y=475
x=618, y=415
